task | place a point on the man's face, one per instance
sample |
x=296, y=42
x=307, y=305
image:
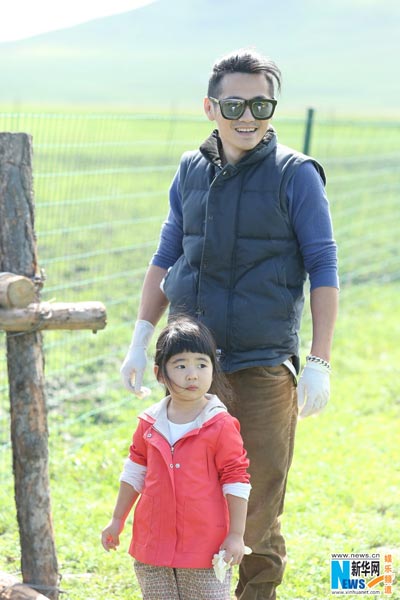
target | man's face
x=243, y=134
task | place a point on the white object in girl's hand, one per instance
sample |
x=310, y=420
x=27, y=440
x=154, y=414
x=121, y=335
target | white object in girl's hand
x=220, y=566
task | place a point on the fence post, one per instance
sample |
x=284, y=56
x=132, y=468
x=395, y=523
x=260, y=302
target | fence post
x=307, y=134
x=29, y=432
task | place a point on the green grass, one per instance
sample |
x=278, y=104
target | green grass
x=96, y=232
x=343, y=489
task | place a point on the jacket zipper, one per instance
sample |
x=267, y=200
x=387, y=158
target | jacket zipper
x=172, y=448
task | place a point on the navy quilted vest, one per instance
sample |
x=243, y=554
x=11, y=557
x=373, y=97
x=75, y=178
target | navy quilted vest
x=241, y=271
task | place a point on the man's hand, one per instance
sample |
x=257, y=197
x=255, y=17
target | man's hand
x=313, y=388
x=134, y=365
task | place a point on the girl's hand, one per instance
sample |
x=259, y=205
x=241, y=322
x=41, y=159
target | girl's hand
x=110, y=534
x=234, y=548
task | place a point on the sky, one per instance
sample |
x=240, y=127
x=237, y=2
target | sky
x=25, y=18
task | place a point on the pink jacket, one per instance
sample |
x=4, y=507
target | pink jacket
x=181, y=517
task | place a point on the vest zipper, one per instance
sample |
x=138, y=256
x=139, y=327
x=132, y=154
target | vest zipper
x=199, y=309
x=232, y=280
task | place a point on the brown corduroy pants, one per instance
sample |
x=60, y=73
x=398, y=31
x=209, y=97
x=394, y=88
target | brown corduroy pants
x=266, y=406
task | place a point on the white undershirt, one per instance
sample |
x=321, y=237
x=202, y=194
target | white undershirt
x=178, y=430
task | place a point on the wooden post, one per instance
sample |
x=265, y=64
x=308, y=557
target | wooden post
x=29, y=432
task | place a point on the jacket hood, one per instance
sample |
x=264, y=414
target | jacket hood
x=157, y=413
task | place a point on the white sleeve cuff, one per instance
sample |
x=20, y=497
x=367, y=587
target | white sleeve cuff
x=134, y=474
x=237, y=489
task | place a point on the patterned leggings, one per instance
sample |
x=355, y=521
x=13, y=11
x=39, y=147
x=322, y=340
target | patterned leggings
x=165, y=583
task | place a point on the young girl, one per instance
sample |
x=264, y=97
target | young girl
x=189, y=467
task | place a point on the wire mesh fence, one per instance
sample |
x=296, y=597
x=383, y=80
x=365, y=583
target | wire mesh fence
x=101, y=193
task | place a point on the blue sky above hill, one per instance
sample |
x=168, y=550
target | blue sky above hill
x=43, y=16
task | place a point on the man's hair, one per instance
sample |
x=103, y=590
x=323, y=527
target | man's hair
x=243, y=61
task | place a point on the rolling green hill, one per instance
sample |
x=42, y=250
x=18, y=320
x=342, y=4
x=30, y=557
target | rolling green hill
x=340, y=56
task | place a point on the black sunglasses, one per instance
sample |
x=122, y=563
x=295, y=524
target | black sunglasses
x=233, y=108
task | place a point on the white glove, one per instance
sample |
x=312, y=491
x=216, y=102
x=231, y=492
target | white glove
x=135, y=362
x=313, y=388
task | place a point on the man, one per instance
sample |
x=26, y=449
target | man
x=248, y=220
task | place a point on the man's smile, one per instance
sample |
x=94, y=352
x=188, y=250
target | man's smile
x=245, y=129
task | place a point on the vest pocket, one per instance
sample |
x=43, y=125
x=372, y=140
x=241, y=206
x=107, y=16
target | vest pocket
x=180, y=286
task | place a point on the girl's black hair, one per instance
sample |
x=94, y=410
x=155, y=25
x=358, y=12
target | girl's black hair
x=183, y=334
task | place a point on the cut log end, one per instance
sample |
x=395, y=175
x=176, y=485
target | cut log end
x=12, y=589
x=16, y=291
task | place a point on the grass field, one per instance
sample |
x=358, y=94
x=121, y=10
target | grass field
x=100, y=184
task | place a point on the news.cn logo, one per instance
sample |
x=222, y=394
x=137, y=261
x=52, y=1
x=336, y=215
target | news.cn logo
x=362, y=574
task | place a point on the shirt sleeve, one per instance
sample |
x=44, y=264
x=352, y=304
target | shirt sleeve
x=242, y=490
x=309, y=214
x=230, y=456
x=134, y=474
x=171, y=235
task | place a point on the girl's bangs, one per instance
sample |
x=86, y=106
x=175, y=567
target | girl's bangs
x=187, y=343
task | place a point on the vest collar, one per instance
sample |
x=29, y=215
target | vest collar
x=211, y=149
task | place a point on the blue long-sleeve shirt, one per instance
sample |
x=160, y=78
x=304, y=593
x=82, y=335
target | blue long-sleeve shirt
x=309, y=214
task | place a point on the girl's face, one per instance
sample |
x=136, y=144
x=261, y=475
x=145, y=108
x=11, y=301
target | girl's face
x=190, y=375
